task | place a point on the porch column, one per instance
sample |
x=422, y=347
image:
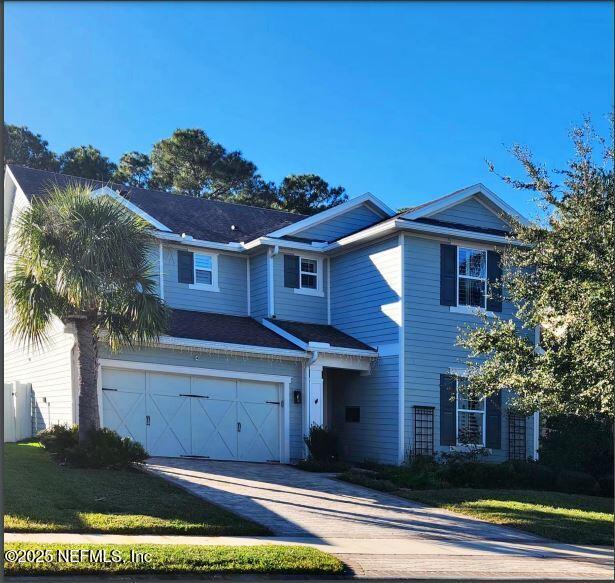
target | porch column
x=314, y=396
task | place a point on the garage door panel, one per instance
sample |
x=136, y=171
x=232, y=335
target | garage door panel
x=132, y=381
x=256, y=392
x=124, y=412
x=259, y=438
x=213, y=388
x=168, y=384
x=169, y=431
x=194, y=415
x=214, y=428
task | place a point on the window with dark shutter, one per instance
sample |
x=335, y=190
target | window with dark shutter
x=291, y=271
x=448, y=275
x=448, y=422
x=185, y=267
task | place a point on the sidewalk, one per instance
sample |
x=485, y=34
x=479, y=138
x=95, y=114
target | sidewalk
x=402, y=558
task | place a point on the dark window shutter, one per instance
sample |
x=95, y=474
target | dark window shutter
x=448, y=410
x=448, y=275
x=291, y=271
x=494, y=281
x=185, y=267
x=493, y=423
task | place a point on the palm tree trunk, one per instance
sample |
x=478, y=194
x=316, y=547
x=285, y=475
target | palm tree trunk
x=87, y=371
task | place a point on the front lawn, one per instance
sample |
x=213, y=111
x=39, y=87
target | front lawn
x=568, y=518
x=88, y=559
x=40, y=496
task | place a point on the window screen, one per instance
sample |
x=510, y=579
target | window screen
x=516, y=437
x=423, y=430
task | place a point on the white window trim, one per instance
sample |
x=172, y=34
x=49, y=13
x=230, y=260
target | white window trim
x=465, y=309
x=460, y=410
x=308, y=291
x=213, y=286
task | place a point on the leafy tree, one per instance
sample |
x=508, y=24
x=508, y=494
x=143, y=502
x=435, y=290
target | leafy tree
x=134, y=169
x=561, y=280
x=258, y=192
x=83, y=260
x=308, y=194
x=191, y=162
x=25, y=147
x=87, y=162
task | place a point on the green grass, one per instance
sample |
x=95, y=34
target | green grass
x=40, y=496
x=566, y=518
x=169, y=559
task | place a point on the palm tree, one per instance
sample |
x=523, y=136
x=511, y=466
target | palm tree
x=84, y=260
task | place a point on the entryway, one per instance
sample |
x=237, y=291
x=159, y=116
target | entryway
x=185, y=415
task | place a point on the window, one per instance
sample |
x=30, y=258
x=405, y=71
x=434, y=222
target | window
x=472, y=277
x=205, y=271
x=470, y=417
x=423, y=430
x=308, y=273
x=353, y=414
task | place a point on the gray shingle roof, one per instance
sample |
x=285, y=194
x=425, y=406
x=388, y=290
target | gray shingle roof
x=223, y=328
x=320, y=333
x=209, y=220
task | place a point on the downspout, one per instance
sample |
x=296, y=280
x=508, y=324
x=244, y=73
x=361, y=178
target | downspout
x=270, y=280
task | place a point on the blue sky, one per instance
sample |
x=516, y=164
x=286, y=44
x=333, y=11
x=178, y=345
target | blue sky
x=402, y=100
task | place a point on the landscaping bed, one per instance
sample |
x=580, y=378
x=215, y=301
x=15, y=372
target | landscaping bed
x=92, y=559
x=42, y=496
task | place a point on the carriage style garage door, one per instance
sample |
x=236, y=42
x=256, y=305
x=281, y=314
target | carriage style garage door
x=184, y=415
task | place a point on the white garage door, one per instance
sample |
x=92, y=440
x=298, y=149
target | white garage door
x=182, y=415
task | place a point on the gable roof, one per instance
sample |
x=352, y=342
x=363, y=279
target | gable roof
x=365, y=199
x=208, y=220
x=444, y=202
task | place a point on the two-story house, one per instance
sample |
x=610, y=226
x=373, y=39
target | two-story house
x=347, y=318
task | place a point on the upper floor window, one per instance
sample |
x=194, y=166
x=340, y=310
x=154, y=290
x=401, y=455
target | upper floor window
x=472, y=277
x=308, y=273
x=203, y=269
x=199, y=270
x=470, y=416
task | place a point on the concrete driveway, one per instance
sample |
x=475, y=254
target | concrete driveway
x=377, y=534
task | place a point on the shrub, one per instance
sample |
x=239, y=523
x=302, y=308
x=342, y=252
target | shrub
x=583, y=445
x=106, y=449
x=576, y=482
x=607, y=486
x=532, y=475
x=58, y=438
x=322, y=444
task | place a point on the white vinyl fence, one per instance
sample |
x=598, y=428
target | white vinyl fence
x=17, y=411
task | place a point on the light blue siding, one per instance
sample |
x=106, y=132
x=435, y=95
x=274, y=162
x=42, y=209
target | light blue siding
x=354, y=220
x=232, y=280
x=431, y=331
x=365, y=302
x=290, y=305
x=472, y=213
x=375, y=437
x=365, y=292
x=228, y=362
x=258, y=286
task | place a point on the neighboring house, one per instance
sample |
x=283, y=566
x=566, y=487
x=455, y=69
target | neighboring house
x=347, y=318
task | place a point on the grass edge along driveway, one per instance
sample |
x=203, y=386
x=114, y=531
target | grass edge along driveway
x=567, y=518
x=92, y=559
x=41, y=496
